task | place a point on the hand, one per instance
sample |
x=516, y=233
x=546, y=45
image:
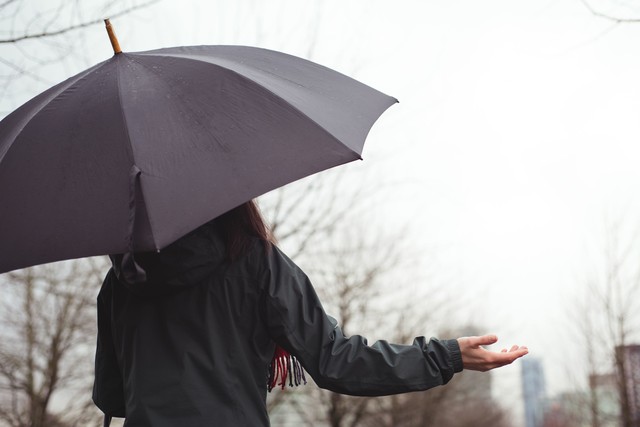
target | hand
x=476, y=358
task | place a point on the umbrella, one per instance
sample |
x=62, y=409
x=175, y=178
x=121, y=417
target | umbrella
x=138, y=150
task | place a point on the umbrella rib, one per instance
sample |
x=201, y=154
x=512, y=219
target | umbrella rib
x=124, y=118
x=135, y=174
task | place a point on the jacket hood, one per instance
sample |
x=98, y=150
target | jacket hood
x=185, y=262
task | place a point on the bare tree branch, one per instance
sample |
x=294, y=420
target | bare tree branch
x=6, y=3
x=617, y=20
x=51, y=33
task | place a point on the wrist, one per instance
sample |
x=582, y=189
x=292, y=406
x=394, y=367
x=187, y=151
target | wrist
x=456, y=355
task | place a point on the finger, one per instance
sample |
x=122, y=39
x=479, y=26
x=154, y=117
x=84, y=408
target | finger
x=504, y=350
x=515, y=354
x=514, y=348
x=483, y=340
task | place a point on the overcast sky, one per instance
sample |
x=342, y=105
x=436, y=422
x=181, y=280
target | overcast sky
x=515, y=139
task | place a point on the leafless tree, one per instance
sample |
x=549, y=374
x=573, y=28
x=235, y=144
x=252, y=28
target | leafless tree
x=307, y=213
x=618, y=298
x=608, y=320
x=48, y=334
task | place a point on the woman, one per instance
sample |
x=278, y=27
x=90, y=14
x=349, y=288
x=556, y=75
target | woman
x=196, y=334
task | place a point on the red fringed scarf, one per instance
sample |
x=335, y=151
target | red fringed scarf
x=282, y=365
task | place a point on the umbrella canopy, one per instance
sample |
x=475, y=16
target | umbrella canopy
x=140, y=149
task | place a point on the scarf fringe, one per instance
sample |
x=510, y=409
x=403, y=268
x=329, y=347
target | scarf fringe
x=284, y=365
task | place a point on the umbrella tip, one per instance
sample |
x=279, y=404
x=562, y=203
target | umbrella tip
x=112, y=37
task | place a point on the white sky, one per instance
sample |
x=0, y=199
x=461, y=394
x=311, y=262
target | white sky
x=516, y=136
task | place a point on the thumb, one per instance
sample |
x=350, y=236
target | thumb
x=484, y=340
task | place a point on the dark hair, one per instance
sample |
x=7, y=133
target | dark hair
x=240, y=227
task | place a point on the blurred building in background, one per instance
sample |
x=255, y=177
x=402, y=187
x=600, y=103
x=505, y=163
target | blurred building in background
x=605, y=400
x=569, y=409
x=630, y=381
x=533, y=391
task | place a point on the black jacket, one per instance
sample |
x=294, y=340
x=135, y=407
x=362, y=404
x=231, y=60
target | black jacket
x=191, y=345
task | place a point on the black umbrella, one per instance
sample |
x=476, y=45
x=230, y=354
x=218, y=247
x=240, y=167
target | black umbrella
x=140, y=149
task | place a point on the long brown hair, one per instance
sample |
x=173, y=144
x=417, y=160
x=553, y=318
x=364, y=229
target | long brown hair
x=241, y=226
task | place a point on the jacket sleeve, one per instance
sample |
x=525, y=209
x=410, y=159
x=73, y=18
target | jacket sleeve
x=108, y=392
x=298, y=323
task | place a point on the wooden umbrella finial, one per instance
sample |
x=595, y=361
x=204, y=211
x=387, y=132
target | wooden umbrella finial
x=112, y=37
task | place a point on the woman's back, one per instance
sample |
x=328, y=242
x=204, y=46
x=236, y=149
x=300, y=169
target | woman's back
x=193, y=349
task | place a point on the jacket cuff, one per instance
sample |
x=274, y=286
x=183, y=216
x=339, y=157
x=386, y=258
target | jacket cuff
x=455, y=354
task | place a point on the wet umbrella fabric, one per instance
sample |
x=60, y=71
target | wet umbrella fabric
x=140, y=149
